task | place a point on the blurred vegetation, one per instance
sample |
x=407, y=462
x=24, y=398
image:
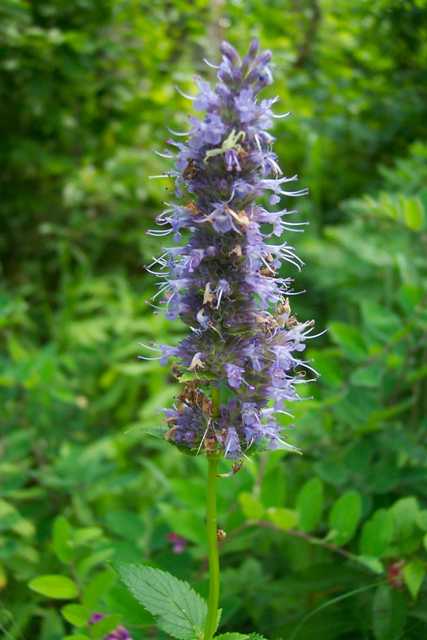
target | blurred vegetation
x=331, y=545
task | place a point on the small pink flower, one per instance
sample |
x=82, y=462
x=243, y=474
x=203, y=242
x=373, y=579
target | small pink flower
x=178, y=542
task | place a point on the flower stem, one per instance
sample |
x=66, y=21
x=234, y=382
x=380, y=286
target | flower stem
x=213, y=599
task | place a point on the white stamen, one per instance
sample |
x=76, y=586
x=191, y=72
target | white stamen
x=281, y=115
x=213, y=66
x=184, y=95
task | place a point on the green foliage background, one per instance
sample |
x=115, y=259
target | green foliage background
x=330, y=545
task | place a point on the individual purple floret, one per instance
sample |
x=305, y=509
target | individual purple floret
x=119, y=633
x=179, y=544
x=241, y=361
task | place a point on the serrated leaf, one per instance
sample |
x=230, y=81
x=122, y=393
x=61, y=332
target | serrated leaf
x=310, y=504
x=54, y=586
x=413, y=575
x=232, y=636
x=180, y=610
x=345, y=516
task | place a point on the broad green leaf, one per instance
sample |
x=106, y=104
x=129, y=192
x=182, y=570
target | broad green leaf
x=370, y=376
x=61, y=539
x=125, y=524
x=55, y=586
x=413, y=575
x=251, y=506
x=76, y=614
x=76, y=636
x=388, y=613
x=186, y=522
x=181, y=611
x=97, y=588
x=310, y=504
x=232, y=636
x=373, y=564
x=99, y=557
x=379, y=321
x=328, y=363
x=52, y=625
x=282, y=518
x=377, y=534
x=344, y=517
x=405, y=515
x=273, y=488
x=86, y=535
x=410, y=295
x=11, y=519
x=103, y=627
x=421, y=519
x=350, y=340
x=413, y=212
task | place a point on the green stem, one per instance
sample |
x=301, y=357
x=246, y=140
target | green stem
x=213, y=599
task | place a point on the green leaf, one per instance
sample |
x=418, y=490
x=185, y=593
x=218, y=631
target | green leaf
x=369, y=376
x=328, y=363
x=86, y=535
x=54, y=586
x=251, y=506
x=103, y=627
x=310, y=504
x=373, y=564
x=377, y=534
x=10, y=518
x=388, y=613
x=282, y=518
x=61, y=536
x=76, y=636
x=344, y=517
x=97, y=588
x=405, y=516
x=273, y=488
x=413, y=212
x=350, y=340
x=413, y=575
x=421, y=519
x=181, y=611
x=76, y=614
x=232, y=636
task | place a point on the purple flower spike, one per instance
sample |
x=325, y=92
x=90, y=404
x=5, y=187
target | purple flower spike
x=224, y=281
